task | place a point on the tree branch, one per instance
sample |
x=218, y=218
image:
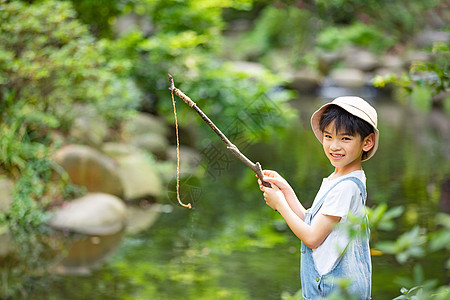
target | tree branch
x=256, y=167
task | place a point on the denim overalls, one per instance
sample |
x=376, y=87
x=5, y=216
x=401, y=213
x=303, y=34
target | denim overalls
x=354, y=264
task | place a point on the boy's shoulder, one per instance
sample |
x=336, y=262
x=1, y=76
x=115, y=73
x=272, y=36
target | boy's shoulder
x=355, y=182
x=355, y=176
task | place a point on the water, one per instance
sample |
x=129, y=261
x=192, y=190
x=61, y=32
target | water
x=232, y=246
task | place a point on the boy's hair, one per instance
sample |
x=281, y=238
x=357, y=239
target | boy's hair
x=345, y=122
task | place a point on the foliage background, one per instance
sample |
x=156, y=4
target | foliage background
x=57, y=55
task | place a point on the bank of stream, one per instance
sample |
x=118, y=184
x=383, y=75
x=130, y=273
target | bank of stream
x=232, y=246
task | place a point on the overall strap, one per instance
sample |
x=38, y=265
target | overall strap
x=315, y=209
x=310, y=213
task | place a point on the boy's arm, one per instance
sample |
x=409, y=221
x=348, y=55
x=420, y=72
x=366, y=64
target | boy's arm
x=293, y=202
x=313, y=236
x=274, y=178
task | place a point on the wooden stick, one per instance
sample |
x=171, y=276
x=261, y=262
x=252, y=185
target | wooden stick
x=256, y=167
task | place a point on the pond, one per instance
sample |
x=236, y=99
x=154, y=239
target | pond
x=232, y=246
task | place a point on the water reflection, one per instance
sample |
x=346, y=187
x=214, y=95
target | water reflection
x=88, y=252
x=231, y=246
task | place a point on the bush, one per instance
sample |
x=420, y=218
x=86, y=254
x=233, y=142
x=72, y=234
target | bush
x=278, y=27
x=358, y=34
x=51, y=61
x=398, y=19
x=185, y=43
x=48, y=63
x=425, y=79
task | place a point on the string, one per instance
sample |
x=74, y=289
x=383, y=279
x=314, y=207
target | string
x=178, y=157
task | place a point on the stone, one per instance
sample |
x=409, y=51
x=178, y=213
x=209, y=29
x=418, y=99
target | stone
x=417, y=55
x=350, y=78
x=142, y=218
x=6, y=193
x=6, y=242
x=386, y=71
x=190, y=159
x=391, y=64
x=137, y=170
x=116, y=150
x=360, y=59
x=146, y=132
x=90, y=168
x=132, y=22
x=252, y=69
x=142, y=123
x=326, y=60
x=305, y=80
x=153, y=143
x=390, y=61
x=279, y=62
x=139, y=176
x=94, y=213
x=6, y=199
x=88, y=127
x=428, y=37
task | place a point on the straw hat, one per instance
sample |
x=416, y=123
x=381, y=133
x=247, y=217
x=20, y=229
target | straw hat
x=357, y=107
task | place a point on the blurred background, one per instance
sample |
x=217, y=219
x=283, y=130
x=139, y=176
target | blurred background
x=88, y=206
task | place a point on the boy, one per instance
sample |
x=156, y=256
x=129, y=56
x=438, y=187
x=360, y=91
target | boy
x=347, y=128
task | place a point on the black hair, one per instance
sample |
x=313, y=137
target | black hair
x=345, y=122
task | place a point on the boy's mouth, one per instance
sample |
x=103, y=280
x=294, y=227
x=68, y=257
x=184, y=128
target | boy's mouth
x=336, y=155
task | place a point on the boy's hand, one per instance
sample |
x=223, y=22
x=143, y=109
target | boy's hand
x=274, y=178
x=273, y=196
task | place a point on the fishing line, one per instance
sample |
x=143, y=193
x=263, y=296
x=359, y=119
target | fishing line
x=178, y=156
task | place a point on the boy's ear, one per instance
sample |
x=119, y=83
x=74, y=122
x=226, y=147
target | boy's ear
x=369, y=142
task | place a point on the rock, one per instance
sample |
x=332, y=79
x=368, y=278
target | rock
x=239, y=26
x=278, y=60
x=350, y=78
x=413, y=56
x=390, y=61
x=116, y=150
x=6, y=194
x=101, y=219
x=136, y=170
x=6, y=199
x=428, y=37
x=153, y=143
x=391, y=64
x=142, y=218
x=146, y=132
x=132, y=22
x=250, y=68
x=6, y=242
x=88, y=128
x=388, y=71
x=189, y=159
x=326, y=61
x=360, y=59
x=139, y=176
x=305, y=81
x=96, y=214
x=90, y=168
x=140, y=124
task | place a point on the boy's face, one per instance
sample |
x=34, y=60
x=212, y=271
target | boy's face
x=345, y=150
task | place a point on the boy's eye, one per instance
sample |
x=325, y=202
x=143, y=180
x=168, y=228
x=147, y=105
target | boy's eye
x=327, y=136
x=346, y=138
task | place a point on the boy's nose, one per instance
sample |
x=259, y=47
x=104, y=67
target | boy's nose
x=335, y=145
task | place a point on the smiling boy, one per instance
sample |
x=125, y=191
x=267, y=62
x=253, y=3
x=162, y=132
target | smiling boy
x=347, y=128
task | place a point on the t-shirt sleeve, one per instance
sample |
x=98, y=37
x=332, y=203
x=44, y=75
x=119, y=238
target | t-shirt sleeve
x=339, y=199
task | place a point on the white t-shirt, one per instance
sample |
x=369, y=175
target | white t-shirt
x=342, y=199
